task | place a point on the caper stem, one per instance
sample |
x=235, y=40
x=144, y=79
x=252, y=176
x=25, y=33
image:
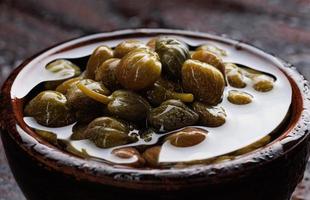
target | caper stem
x=185, y=97
x=94, y=95
x=67, y=84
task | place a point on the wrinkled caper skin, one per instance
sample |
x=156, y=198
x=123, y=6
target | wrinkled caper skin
x=187, y=137
x=209, y=58
x=213, y=49
x=139, y=69
x=79, y=131
x=263, y=83
x=128, y=105
x=108, y=132
x=172, y=54
x=203, y=80
x=106, y=73
x=125, y=47
x=85, y=108
x=234, y=76
x=211, y=116
x=50, y=108
x=64, y=67
x=161, y=91
x=239, y=98
x=99, y=55
x=171, y=115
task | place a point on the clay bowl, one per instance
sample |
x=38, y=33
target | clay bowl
x=44, y=172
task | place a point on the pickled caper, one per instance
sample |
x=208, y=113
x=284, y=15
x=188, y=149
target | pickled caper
x=151, y=156
x=106, y=73
x=204, y=81
x=209, y=58
x=212, y=116
x=263, y=83
x=187, y=137
x=239, y=98
x=173, y=54
x=99, y=55
x=214, y=49
x=50, y=108
x=125, y=47
x=234, y=76
x=163, y=90
x=171, y=115
x=63, y=67
x=124, y=104
x=130, y=152
x=139, y=69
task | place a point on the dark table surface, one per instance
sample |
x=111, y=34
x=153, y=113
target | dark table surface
x=28, y=26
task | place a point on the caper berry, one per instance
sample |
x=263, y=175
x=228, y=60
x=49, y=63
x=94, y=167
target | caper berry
x=171, y=115
x=203, y=80
x=50, y=108
x=139, y=69
x=239, y=98
x=64, y=68
x=209, y=58
x=172, y=53
x=106, y=73
x=187, y=137
x=125, y=47
x=211, y=116
x=99, y=55
x=263, y=83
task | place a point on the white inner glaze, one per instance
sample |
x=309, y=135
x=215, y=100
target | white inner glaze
x=245, y=124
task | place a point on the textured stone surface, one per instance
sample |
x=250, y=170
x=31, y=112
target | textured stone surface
x=26, y=27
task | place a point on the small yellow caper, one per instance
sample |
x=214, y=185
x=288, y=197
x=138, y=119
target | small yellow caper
x=209, y=58
x=125, y=47
x=130, y=152
x=234, y=76
x=263, y=83
x=187, y=137
x=151, y=156
x=239, y=98
x=214, y=49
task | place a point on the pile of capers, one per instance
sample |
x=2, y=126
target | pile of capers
x=162, y=86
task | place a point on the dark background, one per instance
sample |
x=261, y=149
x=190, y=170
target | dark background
x=281, y=27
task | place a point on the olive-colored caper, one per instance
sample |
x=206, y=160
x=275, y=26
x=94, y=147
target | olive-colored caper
x=130, y=152
x=209, y=58
x=263, y=83
x=108, y=132
x=162, y=90
x=64, y=86
x=99, y=55
x=48, y=136
x=79, y=132
x=124, y=104
x=239, y=98
x=234, y=76
x=50, y=108
x=171, y=115
x=187, y=137
x=62, y=67
x=139, y=69
x=78, y=100
x=85, y=108
x=212, y=116
x=172, y=53
x=151, y=156
x=109, y=122
x=213, y=49
x=125, y=47
x=203, y=80
x=106, y=73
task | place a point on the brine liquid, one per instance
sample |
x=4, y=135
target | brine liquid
x=245, y=124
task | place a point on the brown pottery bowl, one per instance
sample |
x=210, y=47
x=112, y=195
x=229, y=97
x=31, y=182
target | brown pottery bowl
x=45, y=172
